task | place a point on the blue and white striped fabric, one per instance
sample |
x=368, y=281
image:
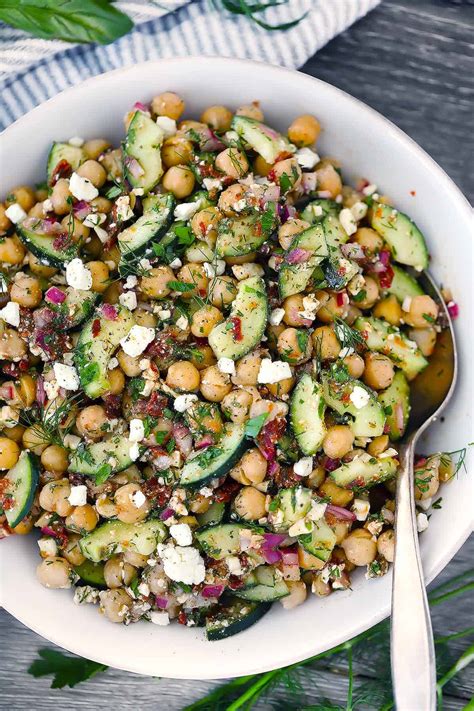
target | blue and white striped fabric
x=32, y=70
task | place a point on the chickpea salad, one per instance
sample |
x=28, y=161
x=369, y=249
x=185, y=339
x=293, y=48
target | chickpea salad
x=207, y=340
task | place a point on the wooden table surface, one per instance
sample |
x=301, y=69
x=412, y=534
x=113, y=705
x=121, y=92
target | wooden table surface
x=413, y=61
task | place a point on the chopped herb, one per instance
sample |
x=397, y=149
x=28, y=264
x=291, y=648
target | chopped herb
x=66, y=670
x=180, y=286
x=254, y=425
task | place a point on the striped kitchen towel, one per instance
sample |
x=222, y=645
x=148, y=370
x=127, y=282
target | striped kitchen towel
x=32, y=70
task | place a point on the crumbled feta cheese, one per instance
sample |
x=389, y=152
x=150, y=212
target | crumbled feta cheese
x=209, y=270
x=71, y=441
x=144, y=363
x=346, y=351
x=129, y=300
x=212, y=184
x=123, y=210
x=307, y=158
x=184, y=402
x=304, y=466
x=167, y=125
x=361, y=508
x=206, y=491
x=347, y=220
x=47, y=206
x=78, y=495
x=15, y=213
x=113, y=363
x=48, y=547
x=233, y=563
x=317, y=511
x=78, y=275
x=369, y=189
x=375, y=527
x=137, y=340
x=219, y=266
x=138, y=498
x=144, y=264
x=186, y=210
x=85, y=594
x=406, y=304
x=130, y=282
x=134, y=451
x=94, y=219
x=182, y=323
x=273, y=371
x=425, y=503
x=76, y=141
x=182, y=534
x=390, y=452
x=359, y=397
x=359, y=210
x=422, y=522
x=159, y=618
x=9, y=417
x=310, y=307
x=239, y=205
x=183, y=565
x=51, y=388
x=176, y=263
x=317, y=210
x=356, y=284
x=82, y=188
x=11, y=313
x=103, y=235
x=226, y=365
x=164, y=314
x=143, y=589
x=137, y=430
x=66, y=376
x=276, y=316
x=245, y=271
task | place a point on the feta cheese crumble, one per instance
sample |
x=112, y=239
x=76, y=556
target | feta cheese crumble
x=183, y=565
x=359, y=210
x=182, y=534
x=359, y=397
x=78, y=495
x=134, y=451
x=138, y=498
x=361, y=508
x=184, y=402
x=137, y=340
x=66, y=376
x=129, y=300
x=369, y=189
x=307, y=158
x=182, y=323
x=212, y=184
x=406, y=304
x=167, y=125
x=304, y=466
x=76, y=141
x=78, y=275
x=15, y=213
x=186, y=210
x=226, y=365
x=273, y=371
x=123, y=210
x=11, y=313
x=422, y=522
x=131, y=281
x=137, y=430
x=176, y=263
x=276, y=317
x=159, y=618
x=48, y=547
x=348, y=221
x=82, y=188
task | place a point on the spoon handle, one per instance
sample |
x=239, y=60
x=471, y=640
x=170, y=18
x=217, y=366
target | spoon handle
x=412, y=648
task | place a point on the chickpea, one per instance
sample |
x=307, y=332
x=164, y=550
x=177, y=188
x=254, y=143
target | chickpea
x=193, y=274
x=179, y=180
x=236, y=405
x=289, y=168
x=295, y=346
x=369, y=239
x=425, y=339
x=36, y=210
x=330, y=309
x=289, y=229
x=72, y=551
x=145, y=318
x=105, y=507
x=379, y=371
x=316, y=478
x=5, y=223
x=337, y=495
x=112, y=162
x=204, y=224
x=249, y=504
x=95, y=147
x=176, y=150
x=355, y=365
x=386, y=545
x=83, y=519
x=204, y=320
x=60, y=197
x=54, y=497
x=23, y=195
x=261, y=167
x=222, y=291
x=129, y=364
x=168, y=104
x=202, y=357
x=127, y=511
x=297, y=594
x=218, y=118
x=283, y=387
x=155, y=284
x=232, y=162
x=135, y=559
x=329, y=180
x=12, y=250
x=341, y=529
x=338, y=441
x=94, y=172
x=371, y=290
x=116, y=381
x=54, y=573
x=9, y=453
x=423, y=311
x=115, y=604
x=254, y=465
x=246, y=369
x=229, y=197
x=326, y=343
x=75, y=228
x=214, y=384
x=321, y=588
x=304, y=131
x=389, y=309
x=15, y=433
x=359, y=547
x=26, y=291
x=55, y=458
x=427, y=479
x=34, y=440
x=252, y=111
x=90, y=422
x=117, y=572
x=183, y=376
x=378, y=445
x=100, y=276
x=27, y=389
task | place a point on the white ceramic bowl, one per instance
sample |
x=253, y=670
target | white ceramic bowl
x=368, y=145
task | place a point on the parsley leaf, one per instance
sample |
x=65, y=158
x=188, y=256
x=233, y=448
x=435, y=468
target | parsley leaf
x=254, y=425
x=67, y=670
x=180, y=286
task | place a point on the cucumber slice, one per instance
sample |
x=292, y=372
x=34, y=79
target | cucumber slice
x=369, y=420
x=214, y=514
x=405, y=240
x=244, y=328
x=380, y=336
x=360, y=474
x=334, y=232
x=320, y=542
x=233, y=617
x=135, y=240
x=93, y=352
x=100, y=460
x=403, y=284
x=317, y=210
x=46, y=247
x=116, y=537
x=294, y=278
x=338, y=272
x=214, y=462
x=76, y=307
x=20, y=488
x=221, y=540
x=264, y=593
x=64, y=151
x=142, y=145
x=396, y=403
x=264, y=140
x=289, y=505
x=307, y=414
x=239, y=236
x=91, y=574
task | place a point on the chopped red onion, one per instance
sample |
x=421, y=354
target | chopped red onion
x=40, y=391
x=285, y=212
x=453, y=309
x=352, y=250
x=309, y=182
x=139, y=106
x=109, y=312
x=384, y=256
x=81, y=209
x=183, y=438
x=290, y=555
x=209, y=141
x=48, y=531
x=161, y=602
x=298, y=256
x=166, y=514
x=270, y=555
x=55, y=295
x=274, y=539
x=162, y=462
x=48, y=226
x=340, y=513
x=331, y=464
x=7, y=391
x=133, y=166
x=271, y=193
x=204, y=442
x=212, y=590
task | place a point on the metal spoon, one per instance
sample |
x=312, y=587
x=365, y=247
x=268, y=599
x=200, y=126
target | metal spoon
x=412, y=648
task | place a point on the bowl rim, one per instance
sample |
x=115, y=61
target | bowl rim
x=395, y=134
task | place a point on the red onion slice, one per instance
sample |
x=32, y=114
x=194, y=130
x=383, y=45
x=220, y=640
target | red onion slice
x=183, y=438
x=55, y=295
x=109, y=312
x=133, y=166
x=212, y=590
x=298, y=256
x=340, y=513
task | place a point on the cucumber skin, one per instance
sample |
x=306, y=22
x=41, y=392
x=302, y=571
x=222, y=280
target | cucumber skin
x=162, y=227
x=321, y=532
x=142, y=123
x=79, y=466
x=224, y=529
x=91, y=573
x=227, y=463
x=383, y=469
x=394, y=226
x=24, y=510
x=64, y=148
x=264, y=593
x=359, y=427
x=388, y=398
x=257, y=611
x=49, y=257
x=403, y=284
x=127, y=530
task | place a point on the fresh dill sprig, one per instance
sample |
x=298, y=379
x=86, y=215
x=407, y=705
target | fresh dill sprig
x=250, y=9
x=49, y=424
x=347, y=336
